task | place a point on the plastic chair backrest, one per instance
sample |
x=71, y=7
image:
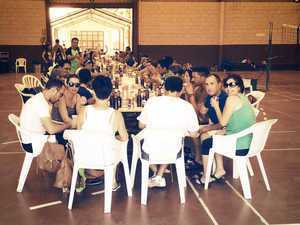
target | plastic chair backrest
x=247, y=84
x=15, y=120
x=21, y=62
x=259, y=95
x=164, y=142
x=31, y=81
x=24, y=96
x=92, y=149
x=260, y=133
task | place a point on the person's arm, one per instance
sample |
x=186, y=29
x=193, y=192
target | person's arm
x=81, y=117
x=191, y=96
x=205, y=129
x=120, y=126
x=52, y=127
x=43, y=56
x=232, y=104
x=62, y=109
x=142, y=125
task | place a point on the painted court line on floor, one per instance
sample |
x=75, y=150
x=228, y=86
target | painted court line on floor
x=98, y=192
x=11, y=153
x=45, y=205
x=202, y=202
x=286, y=224
x=283, y=131
x=282, y=149
x=9, y=142
x=262, y=219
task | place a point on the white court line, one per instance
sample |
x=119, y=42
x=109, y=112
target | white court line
x=262, y=219
x=9, y=142
x=202, y=202
x=11, y=153
x=283, y=131
x=286, y=224
x=282, y=149
x=45, y=205
x=98, y=192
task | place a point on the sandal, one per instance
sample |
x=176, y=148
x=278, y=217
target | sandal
x=199, y=181
x=218, y=180
x=115, y=188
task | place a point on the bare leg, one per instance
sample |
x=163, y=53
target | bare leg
x=162, y=169
x=220, y=168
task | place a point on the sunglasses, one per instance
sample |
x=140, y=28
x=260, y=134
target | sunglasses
x=231, y=84
x=71, y=84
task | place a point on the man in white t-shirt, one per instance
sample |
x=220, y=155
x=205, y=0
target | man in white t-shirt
x=35, y=116
x=168, y=112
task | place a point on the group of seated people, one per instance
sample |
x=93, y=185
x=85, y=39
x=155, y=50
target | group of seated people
x=194, y=101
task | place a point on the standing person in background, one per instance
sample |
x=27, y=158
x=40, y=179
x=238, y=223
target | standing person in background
x=73, y=54
x=46, y=58
x=58, y=52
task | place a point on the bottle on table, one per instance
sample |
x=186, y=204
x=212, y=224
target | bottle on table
x=139, y=98
x=119, y=99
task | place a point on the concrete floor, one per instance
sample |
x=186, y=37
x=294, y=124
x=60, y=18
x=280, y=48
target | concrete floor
x=220, y=204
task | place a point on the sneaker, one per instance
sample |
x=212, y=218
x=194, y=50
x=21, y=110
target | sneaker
x=157, y=181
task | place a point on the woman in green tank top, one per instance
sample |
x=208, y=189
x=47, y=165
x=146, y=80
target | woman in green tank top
x=238, y=114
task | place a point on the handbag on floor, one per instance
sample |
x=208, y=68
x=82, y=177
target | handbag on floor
x=64, y=174
x=50, y=158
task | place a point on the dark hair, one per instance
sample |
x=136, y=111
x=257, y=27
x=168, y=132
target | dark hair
x=162, y=63
x=168, y=61
x=215, y=76
x=177, y=70
x=173, y=84
x=71, y=76
x=57, y=41
x=53, y=82
x=75, y=39
x=65, y=61
x=238, y=80
x=102, y=86
x=203, y=71
x=84, y=76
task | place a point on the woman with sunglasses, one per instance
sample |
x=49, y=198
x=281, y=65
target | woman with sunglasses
x=237, y=115
x=68, y=105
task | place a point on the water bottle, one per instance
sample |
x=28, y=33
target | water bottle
x=139, y=99
x=119, y=100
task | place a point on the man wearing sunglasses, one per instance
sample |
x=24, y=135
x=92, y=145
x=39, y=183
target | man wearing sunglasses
x=35, y=115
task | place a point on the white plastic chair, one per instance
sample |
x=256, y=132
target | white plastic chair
x=226, y=145
x=259, y=95
x=38, y=142
x=31, y=81
x=20, y=88
x=247, y=84
x=95, y=150
x=20, y=62
x=168, y=147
